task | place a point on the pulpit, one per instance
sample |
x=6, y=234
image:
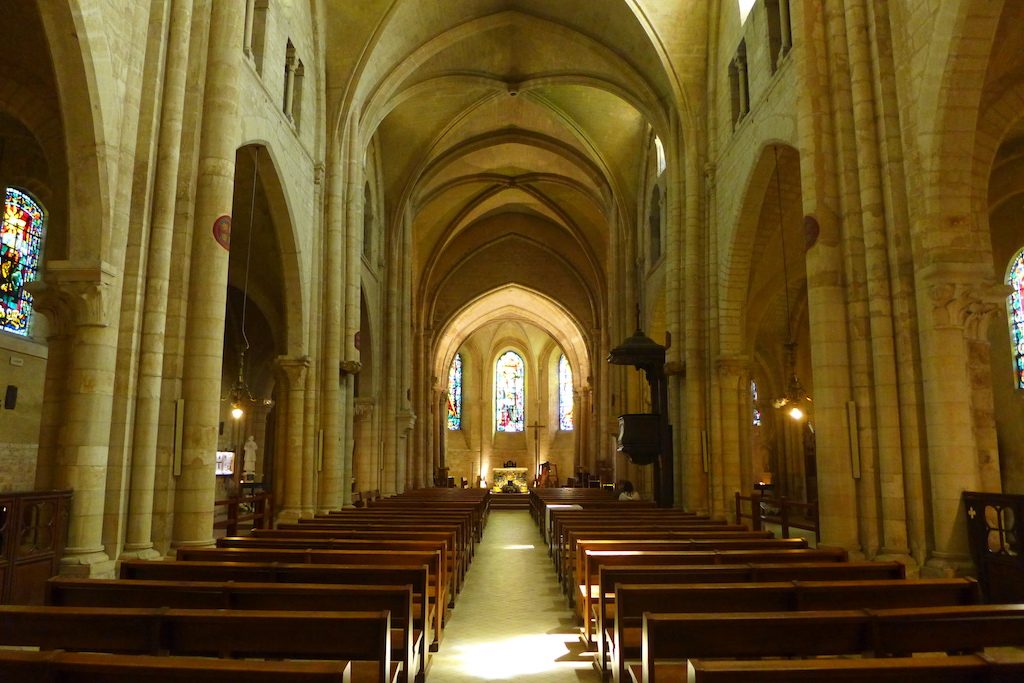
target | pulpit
x=509, y=476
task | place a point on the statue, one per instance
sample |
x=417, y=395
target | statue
x=249, y=461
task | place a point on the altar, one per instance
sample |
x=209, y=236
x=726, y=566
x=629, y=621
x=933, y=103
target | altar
x=503, y=475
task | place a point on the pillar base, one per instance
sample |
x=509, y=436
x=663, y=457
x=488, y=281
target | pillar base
x=88, y=565
x=288, y=516
x=146, y=553
x=947, y=566
x=903, y=557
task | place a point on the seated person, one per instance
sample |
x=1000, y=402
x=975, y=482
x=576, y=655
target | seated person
x=628, y=492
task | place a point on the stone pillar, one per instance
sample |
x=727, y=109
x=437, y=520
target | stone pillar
x=289, y=82
x=201, y=381
x=310, y=443
x=364, y=458
x=289, y=459
x=332, y=476
x=78, y=299
x=955, y=311
x=732, y=379
x=825, y=286
x=138, y=540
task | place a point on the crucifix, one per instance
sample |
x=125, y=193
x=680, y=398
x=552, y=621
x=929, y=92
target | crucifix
x=536, y=427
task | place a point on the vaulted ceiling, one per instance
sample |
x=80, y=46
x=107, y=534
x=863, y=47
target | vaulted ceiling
x=510, y=135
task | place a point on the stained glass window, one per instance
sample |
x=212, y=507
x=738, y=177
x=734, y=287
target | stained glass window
x=455, y=393
x=21, y=245
x=1015, y=313
x=753, y=401
x=565, y=404
x=509, y=373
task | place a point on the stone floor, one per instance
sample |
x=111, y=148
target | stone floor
x=511, y=622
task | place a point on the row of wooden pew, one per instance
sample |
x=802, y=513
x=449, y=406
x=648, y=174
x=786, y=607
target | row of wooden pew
x=367, y=591
x=656, y=590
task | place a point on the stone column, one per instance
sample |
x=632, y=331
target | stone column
x=201, y=381
x=289, y=459
x=732, y=373
x=138, y=540
x=827, y=310
x=332, y=476
x=78, y=299
x=365, y=457
x=786, y=37
x=957, y=305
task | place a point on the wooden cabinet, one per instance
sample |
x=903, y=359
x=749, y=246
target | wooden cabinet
x=33, y=530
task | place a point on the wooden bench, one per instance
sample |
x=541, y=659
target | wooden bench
x=270, y=572
x=624, y=640
x=449, y=567
x=437, y=590
x=407, y=641
x=697, y=544
x=955, y=669
x=669, y=640
x=57, y=666
x=424, y=532
x=391, y=519
x=603, y=607
x=567, y=552
x=356, y=636
x=595, y=559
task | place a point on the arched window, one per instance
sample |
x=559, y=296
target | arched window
x=654, y=233
x=1015, y=313
x=367, y=221
x=756, y=416
x=509, y=374
x=659, y=149
x=455, y=393
x=565, y=403
x=21, y=241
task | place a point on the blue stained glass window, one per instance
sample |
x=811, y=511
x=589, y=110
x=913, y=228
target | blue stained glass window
x=509, y=374
x=1015, y=313
x=753, y=401
x=21, y=246
x=455, y=393
x=565, y=403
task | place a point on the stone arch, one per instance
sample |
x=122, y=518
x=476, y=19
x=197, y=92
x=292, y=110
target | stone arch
x=293, y=304
x=736, y=261
x=75, y=64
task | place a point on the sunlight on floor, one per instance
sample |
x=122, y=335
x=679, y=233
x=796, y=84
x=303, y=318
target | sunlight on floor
x=526, y=655
x=517, y=547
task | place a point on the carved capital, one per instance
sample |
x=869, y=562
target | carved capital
x=675, y=369
x=74, y=294
x=363, y=408
x=959, y=300
x=293, y=370
x=349, y=367
x=406, y=420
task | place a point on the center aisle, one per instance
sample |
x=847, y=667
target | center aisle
x=511, y=621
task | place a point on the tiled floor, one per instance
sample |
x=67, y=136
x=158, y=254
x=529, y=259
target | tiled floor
x=511, y=622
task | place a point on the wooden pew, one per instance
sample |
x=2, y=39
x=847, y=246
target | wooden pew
x=573, y=534
x=357, y=636
x=698, y=543
x=671, y=639
x=624, y=640
x=955, y=669
x=437, y=592
x=595, y=559
x=622, y=516
x=407, y=641
x=425, y=532
x=57, y=666
x=270, y=572
x=448, y=559
x=391, y=519
x=603, y=612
